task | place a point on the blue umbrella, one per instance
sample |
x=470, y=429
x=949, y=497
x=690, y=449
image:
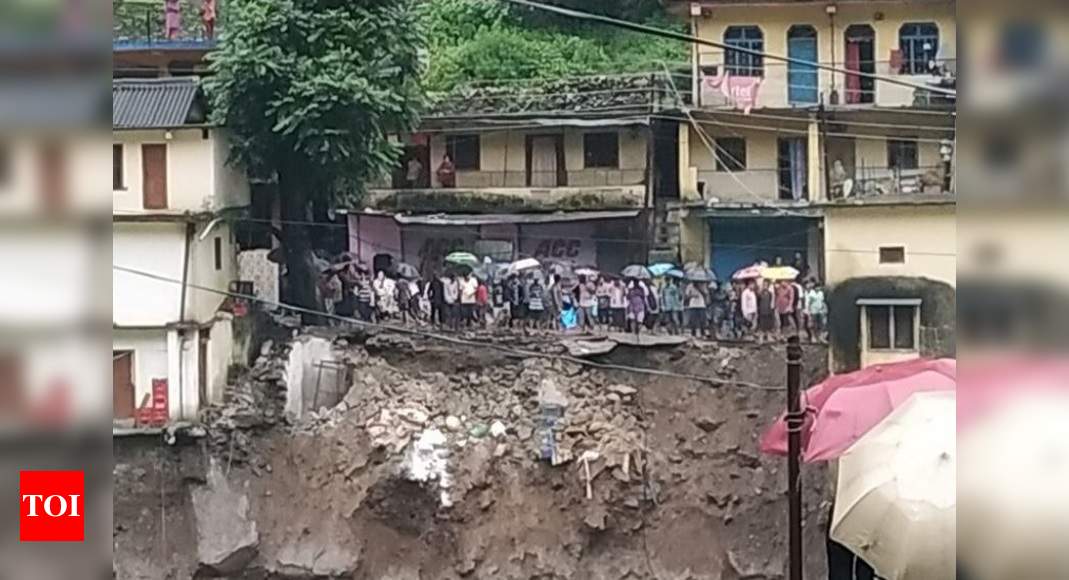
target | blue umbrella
x=675, y=273
x=661, y=268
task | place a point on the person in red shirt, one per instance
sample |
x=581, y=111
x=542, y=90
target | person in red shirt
x=482, y=302
x=785, y=300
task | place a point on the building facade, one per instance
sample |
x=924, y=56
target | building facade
x=822, y=157
x=173, y=251
x=527, y=178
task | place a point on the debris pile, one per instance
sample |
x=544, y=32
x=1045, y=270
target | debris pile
x=252, y=404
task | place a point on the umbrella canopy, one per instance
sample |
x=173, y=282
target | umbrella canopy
x=895, y=502
x=749, y=272
x=523, y=265
x=676, y=273
x=661, y=268
x=462, y=258
x=699, y=274
x=1012, y=482
x=588, y=272
x=844, y=407
x=779, y=273
x=406, y=271
x=636, y=271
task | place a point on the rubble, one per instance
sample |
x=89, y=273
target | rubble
x=441, y=462
x=226, y=538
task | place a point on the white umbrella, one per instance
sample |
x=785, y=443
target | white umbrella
x=895, y=506
x=1013, y=483
x=523, y=265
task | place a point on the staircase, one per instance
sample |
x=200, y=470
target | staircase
x=664, y=245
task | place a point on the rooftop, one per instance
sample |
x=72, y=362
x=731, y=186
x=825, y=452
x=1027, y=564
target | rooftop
x=157, y=103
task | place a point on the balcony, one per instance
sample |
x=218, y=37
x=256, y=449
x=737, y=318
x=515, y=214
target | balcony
x=780, y=85
x=481, y=191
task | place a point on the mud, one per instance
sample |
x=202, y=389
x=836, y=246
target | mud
x=678, y=487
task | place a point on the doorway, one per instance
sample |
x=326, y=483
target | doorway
x=122, y=384
x=545, y=161
x=802, y=81
x=792, y=162
x=860, y=57
x=842, y=158
x=414, y=172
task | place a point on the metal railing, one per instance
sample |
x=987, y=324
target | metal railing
x=592, y=177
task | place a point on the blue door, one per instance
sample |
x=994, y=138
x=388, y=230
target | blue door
x=802, y=79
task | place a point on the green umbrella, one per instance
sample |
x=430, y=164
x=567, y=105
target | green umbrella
x=462, y=259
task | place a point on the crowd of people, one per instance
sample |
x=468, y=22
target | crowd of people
x=534, y=300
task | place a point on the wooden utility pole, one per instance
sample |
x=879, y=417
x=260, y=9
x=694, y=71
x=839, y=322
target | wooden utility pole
x=794, y=448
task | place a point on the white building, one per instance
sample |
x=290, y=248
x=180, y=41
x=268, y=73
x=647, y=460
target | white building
x=174, y=254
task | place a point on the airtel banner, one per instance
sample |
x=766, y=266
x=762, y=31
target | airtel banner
x=51, y=506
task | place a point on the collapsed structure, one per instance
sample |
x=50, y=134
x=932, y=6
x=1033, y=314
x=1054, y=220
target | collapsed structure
x=444, y=461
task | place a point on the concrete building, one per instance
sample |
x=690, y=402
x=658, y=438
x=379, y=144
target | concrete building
x=534, y=176
x=845, y=164
x=171, y=188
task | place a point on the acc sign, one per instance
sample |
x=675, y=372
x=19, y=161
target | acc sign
x=51, y=506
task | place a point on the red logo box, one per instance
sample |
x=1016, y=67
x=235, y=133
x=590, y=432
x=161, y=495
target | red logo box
x=51, y=506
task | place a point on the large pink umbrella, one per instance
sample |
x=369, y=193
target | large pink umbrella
x=989, y=384
x=844, y=407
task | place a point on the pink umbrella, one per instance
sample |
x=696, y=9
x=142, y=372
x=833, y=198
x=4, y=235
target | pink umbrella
x=750, y=272
x=988, y=385
x=844, y=407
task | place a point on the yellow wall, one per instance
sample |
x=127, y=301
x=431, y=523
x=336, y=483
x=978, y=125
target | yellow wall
x=854, y=234
x=503, y=158
x=198, y=176
x=776, y=20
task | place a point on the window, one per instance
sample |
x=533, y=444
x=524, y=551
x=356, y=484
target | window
x=744, y=64
x=891, y=324
x=730, y=154
x=601, y=150
x=464, y=151
x=919, y=43
x=117, y=181
x=1022, y=45
x=901, y=154
x=218, y=253
x=892, y=255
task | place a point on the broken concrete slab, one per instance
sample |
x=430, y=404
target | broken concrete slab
x=227, y=539
x=647, y=340
x=588, y=348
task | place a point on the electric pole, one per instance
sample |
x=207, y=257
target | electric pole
x=794, y=444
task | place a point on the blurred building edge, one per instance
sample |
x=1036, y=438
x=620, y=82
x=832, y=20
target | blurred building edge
x=172, y=342
x=52, y=213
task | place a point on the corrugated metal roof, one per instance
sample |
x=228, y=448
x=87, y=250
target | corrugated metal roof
x=152, y=103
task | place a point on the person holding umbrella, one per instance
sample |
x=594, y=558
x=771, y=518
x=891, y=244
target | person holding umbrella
x=696, y=303
x=586, y=291
x=636, y=305
x=617, y=303
x=748, y=307
x=672, y=301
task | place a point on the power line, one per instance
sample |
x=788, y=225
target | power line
x=723, y=46
x=452, y=339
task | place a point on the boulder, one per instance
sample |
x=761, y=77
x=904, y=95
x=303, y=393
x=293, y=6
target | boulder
x=227, y=539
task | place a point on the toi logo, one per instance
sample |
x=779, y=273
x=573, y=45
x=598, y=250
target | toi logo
x=51, y=506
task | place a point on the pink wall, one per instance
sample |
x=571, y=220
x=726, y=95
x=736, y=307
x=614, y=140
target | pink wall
x=370, y=235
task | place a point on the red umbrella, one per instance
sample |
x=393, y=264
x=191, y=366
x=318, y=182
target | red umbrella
x=844, y=407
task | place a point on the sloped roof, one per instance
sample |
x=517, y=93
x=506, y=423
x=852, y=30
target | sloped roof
x=154, y=103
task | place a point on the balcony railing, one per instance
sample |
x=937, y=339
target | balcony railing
x=784, y=85
x=526, y=179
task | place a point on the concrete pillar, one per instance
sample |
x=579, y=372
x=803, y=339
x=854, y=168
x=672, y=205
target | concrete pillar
x=688, y=178
x=815, y=150
x=693, y=242
x=174, y=374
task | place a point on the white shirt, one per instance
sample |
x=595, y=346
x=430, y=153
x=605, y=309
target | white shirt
x=468, y=287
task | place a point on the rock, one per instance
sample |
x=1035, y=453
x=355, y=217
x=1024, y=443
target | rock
x=622, y=390
x=497, y=429
x=595, y=518
x=452, y=423
x=227, y=539
x=708, y=424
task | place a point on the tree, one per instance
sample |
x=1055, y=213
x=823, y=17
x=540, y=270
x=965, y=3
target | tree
x=310, y=90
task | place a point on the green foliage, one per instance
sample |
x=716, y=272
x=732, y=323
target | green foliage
x=474, y=41
x=312, y=87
